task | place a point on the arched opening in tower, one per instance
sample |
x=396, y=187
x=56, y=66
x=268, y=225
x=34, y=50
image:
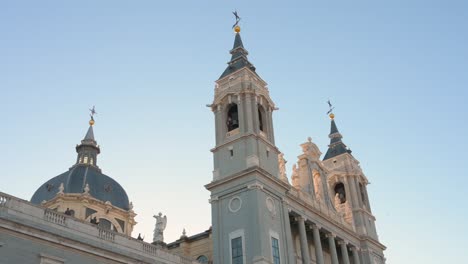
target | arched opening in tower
x=232, y=118
x=261, y=118
x=340, y=192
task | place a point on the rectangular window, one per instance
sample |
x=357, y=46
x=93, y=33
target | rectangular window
x=236, y=247
x=275, y=250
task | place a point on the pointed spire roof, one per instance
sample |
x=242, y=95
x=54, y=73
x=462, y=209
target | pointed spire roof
x=90, y=134
x=336, y=147
x=88, y=149
x=239, y=57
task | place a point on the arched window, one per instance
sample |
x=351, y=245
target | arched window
x=340, y=192
x=232, y=121
x=363, y=194
x=260, y=119
x=85, y=159
x=91, y=161
x=202, y=259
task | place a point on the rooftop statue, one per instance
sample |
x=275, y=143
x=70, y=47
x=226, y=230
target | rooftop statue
x=161, y=222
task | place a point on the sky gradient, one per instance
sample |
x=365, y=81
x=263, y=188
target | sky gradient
x=396, y=72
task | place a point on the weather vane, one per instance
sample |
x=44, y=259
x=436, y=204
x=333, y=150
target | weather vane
x=93, y=112
x=330, y=107
x=237, y=19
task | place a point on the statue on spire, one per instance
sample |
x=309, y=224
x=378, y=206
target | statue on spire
x=330, y=106
x=237, y=19
x=93, y=112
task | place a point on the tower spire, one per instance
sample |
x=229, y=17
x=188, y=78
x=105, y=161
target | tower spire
x=239, y=53
x=88, y=149
x=336, y=147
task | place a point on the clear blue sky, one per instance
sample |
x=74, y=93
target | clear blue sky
x=395, y=70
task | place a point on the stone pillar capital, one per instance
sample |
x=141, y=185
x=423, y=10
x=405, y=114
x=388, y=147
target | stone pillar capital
x=342, y=242
x=330, y=235
x=300, y=218
x=354, y=248
x=315, y=226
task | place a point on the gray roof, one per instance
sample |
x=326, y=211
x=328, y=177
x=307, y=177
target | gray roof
x=90, y=134
x=238, y=59
x=102, y=187
x=336, y=147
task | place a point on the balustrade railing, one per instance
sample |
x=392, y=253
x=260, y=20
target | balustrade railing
x=150, y=249
x=106, y=234
x=3, y=200
x=54, y=217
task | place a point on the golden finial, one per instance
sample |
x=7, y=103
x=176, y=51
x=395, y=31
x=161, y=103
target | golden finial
x=332, y=116
x=236, y=25
x=93, y=112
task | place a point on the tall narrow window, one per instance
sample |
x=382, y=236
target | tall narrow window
x=236, y=247
x=232, y=121
x=275, y=250
x=261, y=118
x=363, y=195
x=85, y=160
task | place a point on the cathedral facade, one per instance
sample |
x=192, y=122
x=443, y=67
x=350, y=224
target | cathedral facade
x=322, y=214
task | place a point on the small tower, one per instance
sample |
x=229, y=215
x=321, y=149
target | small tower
x=88, y=149
x=348, y=189
x=247, y=209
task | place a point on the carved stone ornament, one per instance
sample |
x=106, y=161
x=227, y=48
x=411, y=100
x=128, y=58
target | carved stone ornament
x=61, y=188
x=282, y=168
x=235, y=204
x=270, y=204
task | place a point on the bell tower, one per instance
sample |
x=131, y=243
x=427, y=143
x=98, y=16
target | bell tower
x=243, y=118
x=247, y=193
x=348, y=186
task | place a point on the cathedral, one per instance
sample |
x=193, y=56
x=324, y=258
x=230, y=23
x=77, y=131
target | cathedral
x=322, y=214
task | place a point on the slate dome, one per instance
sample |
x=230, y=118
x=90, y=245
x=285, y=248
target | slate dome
x=101, y=186
x=85, y=171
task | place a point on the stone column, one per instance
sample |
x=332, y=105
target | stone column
x=331, y=243
x=355, y=255
x=344, y=251
x=218, y=123
x=270, y=125
x=288, y=234
x=303, y=240
x=317, y=244
x=248, y=112
x=241, y=113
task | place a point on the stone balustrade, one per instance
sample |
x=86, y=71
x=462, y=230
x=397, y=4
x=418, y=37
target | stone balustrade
x=106, y=234
x=54, y=217
x=3, y=200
